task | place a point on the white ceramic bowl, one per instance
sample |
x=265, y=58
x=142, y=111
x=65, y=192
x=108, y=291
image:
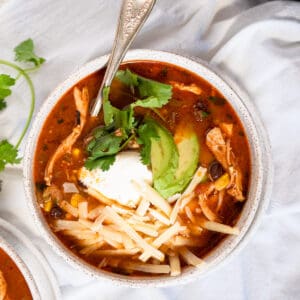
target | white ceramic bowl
x=261, y=168
x=33, y=266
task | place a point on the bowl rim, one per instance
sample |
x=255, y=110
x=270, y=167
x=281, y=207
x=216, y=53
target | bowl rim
x=234, y=244
x=17, y=246
x=18, y=261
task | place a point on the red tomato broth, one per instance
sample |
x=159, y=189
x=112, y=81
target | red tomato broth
x=181, y=108
x=17, y=287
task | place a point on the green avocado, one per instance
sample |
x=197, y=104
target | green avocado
x=164, y=154
x=174, y=160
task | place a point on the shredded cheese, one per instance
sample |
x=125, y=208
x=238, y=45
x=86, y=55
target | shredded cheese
x=133, y=234
x=153, y=197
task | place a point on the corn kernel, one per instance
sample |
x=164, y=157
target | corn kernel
x=76, y=152
x=222, y=182
x=75, y=199
x=48, y=205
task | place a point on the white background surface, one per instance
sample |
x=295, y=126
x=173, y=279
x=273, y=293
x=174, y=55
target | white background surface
x=257, y=46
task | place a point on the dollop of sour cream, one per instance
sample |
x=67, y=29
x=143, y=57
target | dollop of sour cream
x=117, y=182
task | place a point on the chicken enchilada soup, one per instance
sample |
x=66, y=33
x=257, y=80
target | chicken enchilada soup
x=12, y=283
x=153, y=183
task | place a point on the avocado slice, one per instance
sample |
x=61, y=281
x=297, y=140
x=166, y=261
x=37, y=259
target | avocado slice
x=173, y=160
x=187, y=144
x=164, y=154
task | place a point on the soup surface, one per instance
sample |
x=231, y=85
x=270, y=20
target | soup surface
x=12, y=283
x=166, y=209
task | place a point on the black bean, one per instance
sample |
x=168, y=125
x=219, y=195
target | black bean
x=215, y=170
x=201, y=105
x=56, y=212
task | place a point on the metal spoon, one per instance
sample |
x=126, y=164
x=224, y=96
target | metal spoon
x=132, y=17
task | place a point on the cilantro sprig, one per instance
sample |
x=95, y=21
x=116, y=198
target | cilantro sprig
x=6, y=82
x=121, y=125
x=24, y=52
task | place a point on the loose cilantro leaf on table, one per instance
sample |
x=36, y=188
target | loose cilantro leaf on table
x=6, y=82
x=25, y=53
x=8, y=154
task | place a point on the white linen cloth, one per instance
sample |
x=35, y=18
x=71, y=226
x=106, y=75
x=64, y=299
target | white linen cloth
x=258, y=46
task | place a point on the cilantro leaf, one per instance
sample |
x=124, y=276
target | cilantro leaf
x=154, y=94
x=5, y=83
x=128, y=78
x=8, y=154
x=123, y=119
x=150, y=102
x=109, y=111
x=146, y=132
x=2, y=104
x=25, y=53
x=106, y=145
x=103, y=163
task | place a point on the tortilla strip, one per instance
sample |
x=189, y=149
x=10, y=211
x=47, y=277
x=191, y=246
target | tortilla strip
x=111, y=214
x=175, y=265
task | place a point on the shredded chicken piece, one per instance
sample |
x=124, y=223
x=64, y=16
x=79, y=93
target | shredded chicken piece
x=217, y=145
x=235, y=187
x=82, y=105
x=223, y=153
x=3, y=286
x=193, y=88
x=53, y=192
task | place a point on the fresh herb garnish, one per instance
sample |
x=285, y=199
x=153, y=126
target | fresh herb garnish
x=24, y=52
x=217, y=100
x=8, y=154
x=104, y=163
x=153, y=94
x=120, y=124
x=6, y=82
x=146, y=132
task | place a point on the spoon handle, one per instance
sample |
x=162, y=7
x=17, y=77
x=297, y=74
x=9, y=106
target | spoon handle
x=132, y=17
